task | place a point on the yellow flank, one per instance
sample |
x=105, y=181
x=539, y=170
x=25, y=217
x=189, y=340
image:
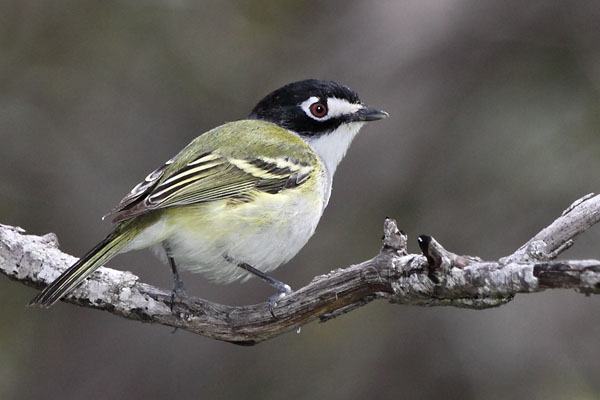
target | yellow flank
x=265, y=232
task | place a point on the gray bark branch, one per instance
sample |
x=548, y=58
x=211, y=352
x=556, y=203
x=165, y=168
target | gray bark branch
x=435, y=278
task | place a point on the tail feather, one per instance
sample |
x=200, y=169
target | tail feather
x=72, y=277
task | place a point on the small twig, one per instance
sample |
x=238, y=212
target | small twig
x=558, y=236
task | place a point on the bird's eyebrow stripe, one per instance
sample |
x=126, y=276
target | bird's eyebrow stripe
x=338, y=107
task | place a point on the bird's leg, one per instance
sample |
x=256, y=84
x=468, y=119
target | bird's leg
x=282, y=288
x=178, y=288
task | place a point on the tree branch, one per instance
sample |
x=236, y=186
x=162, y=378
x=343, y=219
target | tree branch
x=436, y=278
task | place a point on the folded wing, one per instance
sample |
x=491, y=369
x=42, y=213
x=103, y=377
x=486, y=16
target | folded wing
x=209, y=177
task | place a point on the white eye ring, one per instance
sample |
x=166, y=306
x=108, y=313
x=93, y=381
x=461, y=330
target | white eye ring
x=334, y=107
x=319, y=110
x=306, y=106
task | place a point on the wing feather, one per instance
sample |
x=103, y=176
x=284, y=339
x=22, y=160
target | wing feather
x=196, y=175
x=214, y=178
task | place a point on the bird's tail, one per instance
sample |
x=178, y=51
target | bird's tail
x=72, y=277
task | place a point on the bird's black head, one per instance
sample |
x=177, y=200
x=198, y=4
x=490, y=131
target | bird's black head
x=313, y=107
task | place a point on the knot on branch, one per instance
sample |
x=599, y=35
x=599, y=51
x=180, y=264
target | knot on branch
x=394, y=239
x=441, y=261
x=445, y=278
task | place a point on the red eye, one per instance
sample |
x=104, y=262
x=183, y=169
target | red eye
x=319, y=110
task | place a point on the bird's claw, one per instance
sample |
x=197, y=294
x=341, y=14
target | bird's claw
x=178, y=291
x=282, y=291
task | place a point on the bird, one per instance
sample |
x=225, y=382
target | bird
x=239, y=200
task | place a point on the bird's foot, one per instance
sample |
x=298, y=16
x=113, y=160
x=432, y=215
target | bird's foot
x=282, y=291
x=282, y=288
x=178, y=291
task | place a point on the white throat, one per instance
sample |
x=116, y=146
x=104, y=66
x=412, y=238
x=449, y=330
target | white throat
x=332, y=147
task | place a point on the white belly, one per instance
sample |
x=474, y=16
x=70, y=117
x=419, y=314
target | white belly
x=264, y=233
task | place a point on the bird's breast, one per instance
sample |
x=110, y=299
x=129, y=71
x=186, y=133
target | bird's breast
x=264, y=232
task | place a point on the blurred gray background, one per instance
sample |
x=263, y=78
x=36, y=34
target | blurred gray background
x=493, y=132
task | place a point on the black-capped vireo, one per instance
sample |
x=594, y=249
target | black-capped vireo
x=240, y=199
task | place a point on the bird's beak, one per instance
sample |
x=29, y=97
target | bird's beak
x=369, y=114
